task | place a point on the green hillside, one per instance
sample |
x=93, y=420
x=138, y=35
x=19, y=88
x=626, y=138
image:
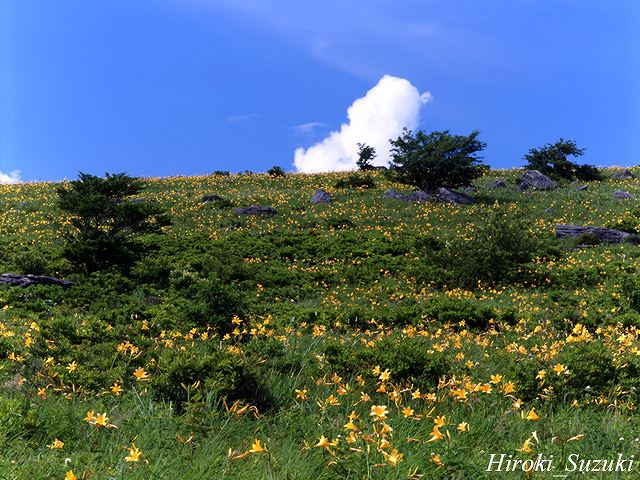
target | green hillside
x=364, y=338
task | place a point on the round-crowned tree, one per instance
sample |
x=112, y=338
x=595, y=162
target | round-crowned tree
x=438, y=159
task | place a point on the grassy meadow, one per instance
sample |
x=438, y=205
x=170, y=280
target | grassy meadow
x=324, y=342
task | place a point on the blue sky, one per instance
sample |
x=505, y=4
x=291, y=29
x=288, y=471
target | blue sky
x=169, y=87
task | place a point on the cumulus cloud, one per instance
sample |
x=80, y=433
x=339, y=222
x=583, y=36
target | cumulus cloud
x=393, y=104
x=11, y=177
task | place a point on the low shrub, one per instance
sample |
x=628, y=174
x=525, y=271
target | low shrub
x=356, y=181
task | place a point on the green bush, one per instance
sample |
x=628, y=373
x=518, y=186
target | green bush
x=276, y=172
x=181, y=374
x=408, y=359
x=590, y=365
x=106, y=225
x=553, y=160
x=498, y=252
x=356, y=181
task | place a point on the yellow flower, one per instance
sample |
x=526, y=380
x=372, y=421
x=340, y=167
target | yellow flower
x=393, y=458
x=116, y=389
x=436, y=434
x=435, y=458
x=532, y=415
x=56, y=444
x=460, y=393
x=256, y=447
x=416, y=395
x=463, y=427
x=323, y=442
x=140, y=374
x=134, y=454
x=302, y=394
x=541, y=375
x=526, y=447
x=508, y=388
x=72, y=367
x=102, y=420
x=350, y=426
x=70, y=476
x=560, y=369
x=90, y=417
x=440, y=421
x=407, y=411
x=379, y=412
x=496, y=379
x=384, y=376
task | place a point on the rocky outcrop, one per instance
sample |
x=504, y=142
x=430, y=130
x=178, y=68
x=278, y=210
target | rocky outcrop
x=321, y=196
x=498, y=183
x=623, y=194
x=533, y=179
x=444, y=195
x=28, y=280
x=256, y=210
x=604, y=235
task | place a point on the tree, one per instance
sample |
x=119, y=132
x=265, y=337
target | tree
x=366, y=155
x=553, y=160
x=105, y=224
x=276, y=171
x=438, y=159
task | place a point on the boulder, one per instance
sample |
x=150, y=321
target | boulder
x=623, y=194
x=549, y=211
x=582, y=188
x=604, y=235
x=394, y=195
x=498, y=183
x=417, y=196
x=211, y=198
x=623, y=174
x=444, y=195
x=255, y=210
x=321, y=196
x=535, y=180
x=28, y=280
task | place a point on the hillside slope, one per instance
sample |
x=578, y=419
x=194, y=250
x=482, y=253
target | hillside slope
x=365, y=338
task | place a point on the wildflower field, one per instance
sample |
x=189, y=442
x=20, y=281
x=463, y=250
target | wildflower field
x=365, y=338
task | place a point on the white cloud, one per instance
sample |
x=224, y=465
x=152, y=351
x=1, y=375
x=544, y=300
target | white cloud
x=393, y=104
x=11, y=177
x=242, y=117
x=308, y=127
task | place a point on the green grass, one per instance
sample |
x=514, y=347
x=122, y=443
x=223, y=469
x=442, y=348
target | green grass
x=316, y=291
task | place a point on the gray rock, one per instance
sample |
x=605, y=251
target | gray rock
x=444, y=195
x=394, y=195
x=417, y=196
x=623, y=194
x=211, y=198
x=28, y=280
x=256, y=210
x=605, y=235
x=321, y=196
x=549, y=211
x=582, y=188
x=498, y=183
x=533, y=179
x=624, y=174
